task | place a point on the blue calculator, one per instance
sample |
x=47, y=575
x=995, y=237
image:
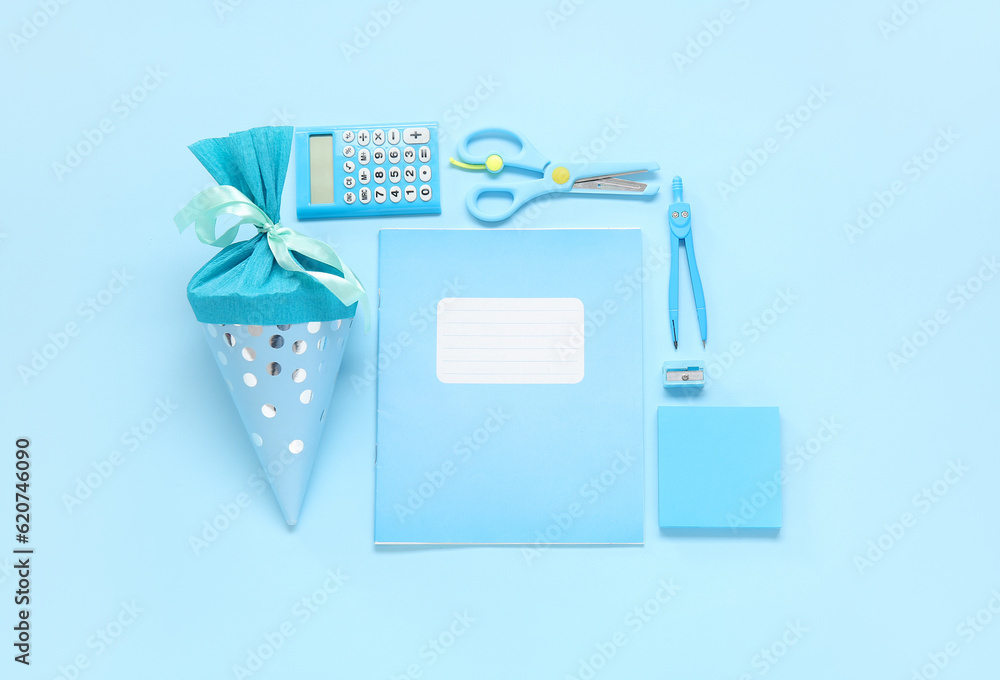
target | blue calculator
x=367, y=170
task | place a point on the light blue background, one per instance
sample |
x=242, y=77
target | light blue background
x=824, y=359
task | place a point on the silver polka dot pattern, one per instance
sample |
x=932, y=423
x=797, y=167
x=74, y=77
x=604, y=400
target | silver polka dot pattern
x=297, y=366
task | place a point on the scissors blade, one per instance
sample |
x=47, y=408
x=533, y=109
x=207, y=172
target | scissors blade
x=611, y=183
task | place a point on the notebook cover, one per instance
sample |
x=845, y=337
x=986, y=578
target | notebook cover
x=509, y=386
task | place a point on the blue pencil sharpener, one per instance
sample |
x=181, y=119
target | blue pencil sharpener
x=679, y=374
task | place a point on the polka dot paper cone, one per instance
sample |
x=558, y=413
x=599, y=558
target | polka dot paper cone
x=282, y=379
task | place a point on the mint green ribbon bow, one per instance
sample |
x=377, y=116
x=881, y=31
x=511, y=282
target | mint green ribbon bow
x=204, y=210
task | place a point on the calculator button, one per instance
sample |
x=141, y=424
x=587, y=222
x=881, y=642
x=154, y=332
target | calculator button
x=393, y=136
x=349, y=198
x=424, y=154
x=419, y=135
x=379, y=194
x=348, y=136
x=410, y=173
x=394, y=174
x=395, y=193
x=409, y=154
x=349, y=182
x=411, y=193
x=378, y=155
x=425, y=173
x=363, y=156
x=378, y=137
x=379, y=175
x=348, y=151
x=393, y=155
x=348, y=166
x=425, y=193
x=365, y=195
x=364, y=175
x=363, y=137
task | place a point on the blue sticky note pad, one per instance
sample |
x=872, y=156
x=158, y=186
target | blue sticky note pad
x=719, y=467
x=509, y=386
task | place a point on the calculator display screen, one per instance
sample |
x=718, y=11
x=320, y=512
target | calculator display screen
x=321, y=169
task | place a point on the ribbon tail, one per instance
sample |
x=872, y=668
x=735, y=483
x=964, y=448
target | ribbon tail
x=346, y=288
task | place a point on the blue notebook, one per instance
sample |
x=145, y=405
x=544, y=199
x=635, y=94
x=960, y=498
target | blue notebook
x=720, y=467
x=509, y=386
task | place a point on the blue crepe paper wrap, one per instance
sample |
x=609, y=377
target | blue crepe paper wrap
x=243, y=284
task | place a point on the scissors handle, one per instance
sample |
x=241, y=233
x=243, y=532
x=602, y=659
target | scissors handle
x=527, y=158
x=519, y=192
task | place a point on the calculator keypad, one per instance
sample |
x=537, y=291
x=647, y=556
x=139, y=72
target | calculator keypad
x=390, y=166
x=378, y=146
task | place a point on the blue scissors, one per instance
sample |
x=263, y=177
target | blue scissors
x=579, y=178
x=679, y=217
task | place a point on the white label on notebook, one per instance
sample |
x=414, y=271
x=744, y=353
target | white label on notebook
x=527, y=341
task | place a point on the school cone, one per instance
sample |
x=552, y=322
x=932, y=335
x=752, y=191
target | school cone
x=282, y=379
